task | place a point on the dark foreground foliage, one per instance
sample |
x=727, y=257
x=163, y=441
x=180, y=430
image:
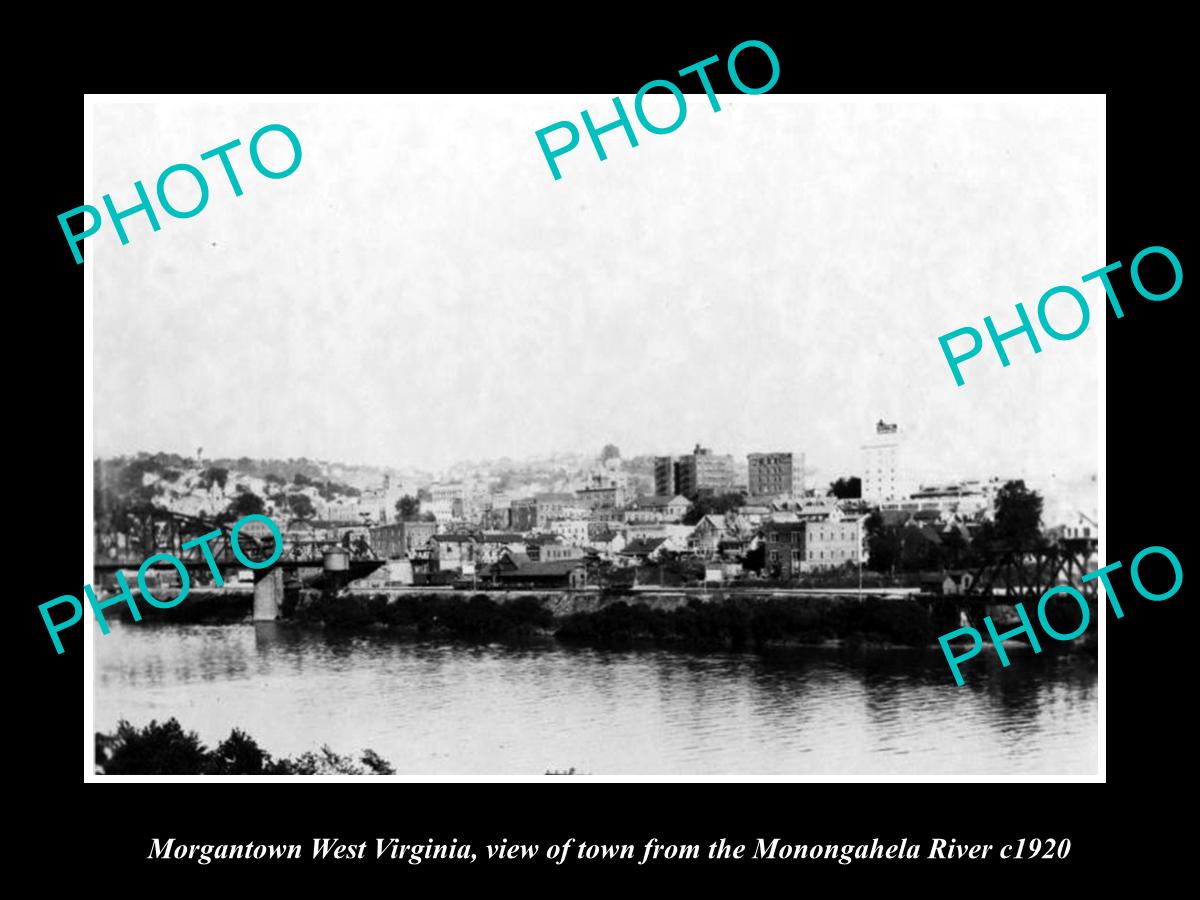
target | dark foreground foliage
x=478, y=618
x=166, y=749
x=741, y=623
x=728, y=622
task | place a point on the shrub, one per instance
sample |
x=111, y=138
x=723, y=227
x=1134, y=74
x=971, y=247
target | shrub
x=167, y=749
x=164, y=749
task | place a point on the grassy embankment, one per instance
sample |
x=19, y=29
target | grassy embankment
x=720, y=623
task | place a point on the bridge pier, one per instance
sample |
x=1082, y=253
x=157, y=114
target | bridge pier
x=268, y=595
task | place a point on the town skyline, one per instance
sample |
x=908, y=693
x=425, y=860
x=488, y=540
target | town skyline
x=1064, y=495
x=849, y=469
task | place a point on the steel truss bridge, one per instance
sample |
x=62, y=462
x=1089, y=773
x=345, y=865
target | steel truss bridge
x=1022, y=575
x=137, y=534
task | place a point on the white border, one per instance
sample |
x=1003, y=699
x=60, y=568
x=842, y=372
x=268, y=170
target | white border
x=1099, y=319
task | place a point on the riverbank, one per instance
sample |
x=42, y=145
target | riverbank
x=721, y=622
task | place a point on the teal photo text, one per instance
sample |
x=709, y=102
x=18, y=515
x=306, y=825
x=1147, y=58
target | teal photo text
x=568, y=140
x=93, y=219
x=970, y=342
x=1085, y=616
x=125, y=595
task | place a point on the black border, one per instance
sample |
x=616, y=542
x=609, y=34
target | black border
x=1147, y=445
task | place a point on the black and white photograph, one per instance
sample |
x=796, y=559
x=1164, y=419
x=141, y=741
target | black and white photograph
x=737, y=452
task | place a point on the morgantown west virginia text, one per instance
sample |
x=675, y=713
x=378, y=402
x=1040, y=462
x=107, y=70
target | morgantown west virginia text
x=334, y=849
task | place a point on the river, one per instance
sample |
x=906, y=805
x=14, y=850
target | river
x=452, y=710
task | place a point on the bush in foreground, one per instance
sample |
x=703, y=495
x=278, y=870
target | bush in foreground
x=166, y=749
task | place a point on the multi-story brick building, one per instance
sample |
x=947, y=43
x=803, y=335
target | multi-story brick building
x=703, y=472
x=796, y=547
x=657, y=509
x=523, y=514
x=549, y=507
x=832, y=543
x=600, y=497
x=784, y=547
x=664, y=476
x=572, y=531
x=402, y=539
x=775, y=474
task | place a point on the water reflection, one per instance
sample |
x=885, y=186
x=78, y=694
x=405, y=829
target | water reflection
x=448, y=710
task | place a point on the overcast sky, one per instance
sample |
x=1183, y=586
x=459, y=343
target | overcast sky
x=770, y=277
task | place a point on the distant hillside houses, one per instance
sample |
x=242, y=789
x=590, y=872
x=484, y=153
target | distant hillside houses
x=604, y=515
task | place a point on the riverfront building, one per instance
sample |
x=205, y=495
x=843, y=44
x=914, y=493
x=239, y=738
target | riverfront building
x=402, y=539
x=448, y=552
x=796, y=547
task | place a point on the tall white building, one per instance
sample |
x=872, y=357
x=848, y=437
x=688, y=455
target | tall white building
x=881, y=478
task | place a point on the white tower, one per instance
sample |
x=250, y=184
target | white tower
x=881, y=480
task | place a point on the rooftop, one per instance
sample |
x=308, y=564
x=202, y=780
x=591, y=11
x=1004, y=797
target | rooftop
x=657, y=502
x=643, y=545
x=453, y=538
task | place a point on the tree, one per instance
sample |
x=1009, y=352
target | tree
x=301, y=506
x=718, y=504
x=1018, y=519
x=130, y=486
x=247, y=503
x=214, y=475
x=327, y=763
x=238, y=754
x=164, y=749
x=920, y=549
x=168, y=750
x=755, y=559
x=376, y=763
x=955, y=549
x=610, y=451
x=427, y=517
x=847, y=488
x=884, y=545
x=408, y=508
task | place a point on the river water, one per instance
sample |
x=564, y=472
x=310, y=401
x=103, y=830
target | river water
x=452, y=710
